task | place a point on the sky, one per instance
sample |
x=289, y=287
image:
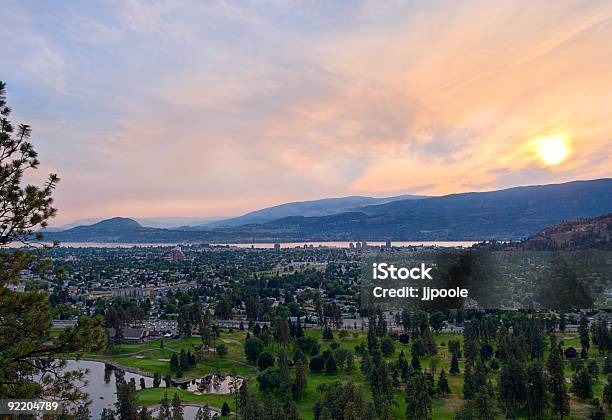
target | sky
x=215, y=108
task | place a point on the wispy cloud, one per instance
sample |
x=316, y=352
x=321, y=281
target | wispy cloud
x=150, y=108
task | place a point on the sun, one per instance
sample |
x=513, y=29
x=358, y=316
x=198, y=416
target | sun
x=552, y=150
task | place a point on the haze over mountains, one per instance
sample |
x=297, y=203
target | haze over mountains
x=513, y=213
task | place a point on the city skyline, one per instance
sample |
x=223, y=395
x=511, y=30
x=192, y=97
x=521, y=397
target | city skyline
x=220, y=108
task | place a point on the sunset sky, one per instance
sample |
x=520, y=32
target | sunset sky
x=215, y=108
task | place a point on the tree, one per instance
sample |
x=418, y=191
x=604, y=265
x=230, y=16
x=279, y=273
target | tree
x=203, y=413
x=607, y=392
x=418, y=401
x=125, y=406
x=265, y=360
x=442, y=387
x=454, y=367
x=107, y=414
x=26, y=352
x=582, y=384
x=221, y=350
x=253, y=346
x=387, y=346
x=156, y=379
x=512, y=384
x=330, y=364
x=480, y=407
x=168, y=381
x=177, y=407
x=142, y=383
x=225, y=409
x=165, y=412
x=536, y=391
x=300, y=379
x=174, y=362
x=381, y=384
x=560, y=400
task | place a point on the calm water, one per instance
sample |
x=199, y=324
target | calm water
x=101, y=386
x=102, y=390
x=270, y=245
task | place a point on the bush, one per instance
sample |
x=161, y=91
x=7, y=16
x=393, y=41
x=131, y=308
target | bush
x=221, y=350
x=570, y=353
x=316, y=364
x=265, y=360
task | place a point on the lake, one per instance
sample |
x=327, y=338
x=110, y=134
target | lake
x=269, y=245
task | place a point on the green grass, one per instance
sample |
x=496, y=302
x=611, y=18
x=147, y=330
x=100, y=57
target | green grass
x=152, y=396
x=443, y=408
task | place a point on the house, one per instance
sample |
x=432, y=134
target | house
x=134, y=335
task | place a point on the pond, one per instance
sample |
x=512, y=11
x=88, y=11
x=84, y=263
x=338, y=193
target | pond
x=101, y=387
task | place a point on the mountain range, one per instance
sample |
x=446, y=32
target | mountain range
x=508, y=214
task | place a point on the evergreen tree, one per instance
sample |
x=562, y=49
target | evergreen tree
x=203, y=413
x=454, y=367
x=381, y=384
x=330, y=364
x=512, y=385
x=418, y=400
x=560, y=400
x=168, y=381
x=443, y=388
x=125, y=406
x=156, y=379
x=225, y=409
x=607, y=392
x=582, y=384
x=174, y=362
x=300, y=379
x=27, y=347
x=536, y=391
x=165, y=412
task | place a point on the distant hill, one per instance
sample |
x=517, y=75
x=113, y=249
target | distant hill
x=592, y=233
x=157, y=222
x=510, y=214
x=314, y=208
x=514, y=213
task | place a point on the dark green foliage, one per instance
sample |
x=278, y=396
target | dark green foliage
x=300, y=379
x=418, y=399
x=454, y=367
x=387, y=346
x=125, y=407
x=512, y=385
x=221, y=350
x=330, y=364
x=607, y=392
x=265, y=360
x=177, y=407
x=337, y=397
x=480, y=407
x=442, y=388
x=560, y=399
x=252, y=348
x=536, y=391
x=570, y=353
x=225, y=409
x=582, y=384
